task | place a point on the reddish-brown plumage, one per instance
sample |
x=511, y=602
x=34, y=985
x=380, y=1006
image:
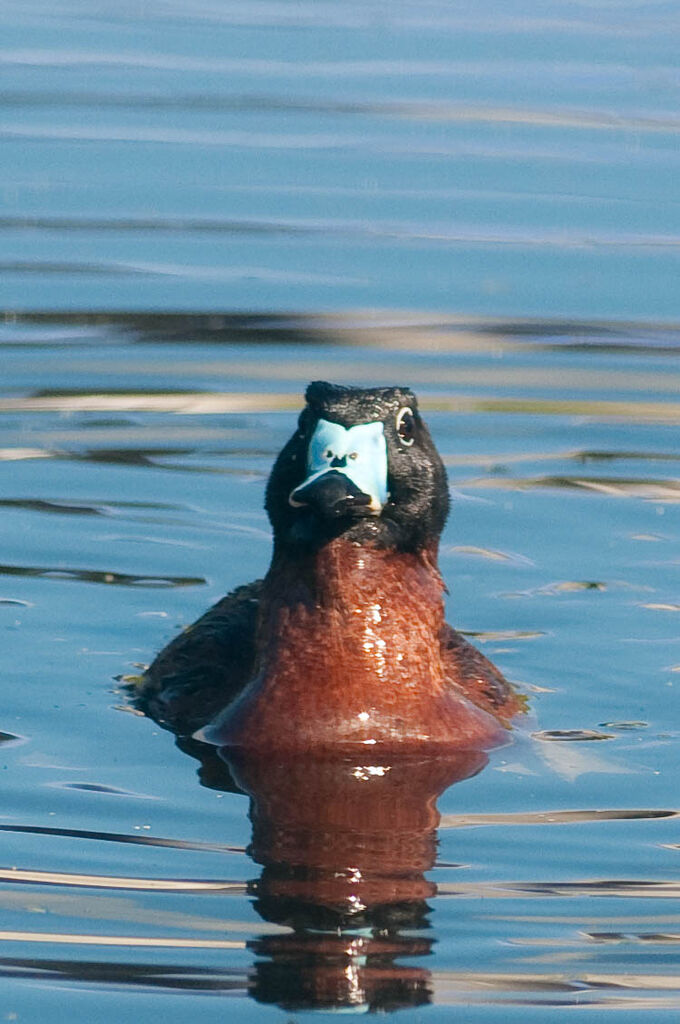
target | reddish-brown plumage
x=345, y=844
x=320, y=814
x=344, y=643
x=354, y=650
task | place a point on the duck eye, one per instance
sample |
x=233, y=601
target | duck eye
x=406, y=426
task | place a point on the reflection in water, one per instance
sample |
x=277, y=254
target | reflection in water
x=344, y=847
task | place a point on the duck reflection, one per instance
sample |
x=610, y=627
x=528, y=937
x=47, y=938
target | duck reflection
x=344, y=843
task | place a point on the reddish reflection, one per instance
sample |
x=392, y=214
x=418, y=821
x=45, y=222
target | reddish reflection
x=344, y=845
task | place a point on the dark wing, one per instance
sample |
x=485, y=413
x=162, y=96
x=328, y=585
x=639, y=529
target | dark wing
x=204, y=668
x=480, y=681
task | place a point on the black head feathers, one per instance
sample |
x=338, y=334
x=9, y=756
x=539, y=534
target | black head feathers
x=361, y=464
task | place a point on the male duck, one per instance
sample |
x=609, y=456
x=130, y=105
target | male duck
x=344, y=642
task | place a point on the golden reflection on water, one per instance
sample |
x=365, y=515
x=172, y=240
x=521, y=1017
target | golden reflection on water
x=191, y=403
x=112, y=882
x=130, y=941
x=500, y=376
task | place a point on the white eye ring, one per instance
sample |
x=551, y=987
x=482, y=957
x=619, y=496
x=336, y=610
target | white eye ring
x=406, y=441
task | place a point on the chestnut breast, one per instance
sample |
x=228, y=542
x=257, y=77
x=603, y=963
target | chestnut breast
x=350, y=654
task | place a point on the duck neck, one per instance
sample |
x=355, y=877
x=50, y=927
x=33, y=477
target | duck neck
x=346, y=610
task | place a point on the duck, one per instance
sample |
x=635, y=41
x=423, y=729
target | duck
x=343, y=645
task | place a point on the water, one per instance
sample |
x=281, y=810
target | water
x=483, y=206
x=315, y=156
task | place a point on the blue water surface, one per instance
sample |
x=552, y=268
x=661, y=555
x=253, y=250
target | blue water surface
x=202, y=209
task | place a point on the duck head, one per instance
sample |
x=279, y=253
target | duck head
x=361, y=464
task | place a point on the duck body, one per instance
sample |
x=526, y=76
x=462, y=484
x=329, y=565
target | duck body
x=344, y=643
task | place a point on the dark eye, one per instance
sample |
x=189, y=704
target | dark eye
x=406, y=426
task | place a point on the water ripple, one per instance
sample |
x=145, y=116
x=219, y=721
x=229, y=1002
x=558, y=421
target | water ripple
x=9, y=737
x=483, y=636
x=570, y=817
x=116, y=579
x=177, y=63
x=450, y=234
x=571, y=735
x=121, y=837
x=19, y=875
x=373, y=328
x=130, y=941
x=623, y=888
x=175, y=977
x=420, y=110
x=620, y=487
